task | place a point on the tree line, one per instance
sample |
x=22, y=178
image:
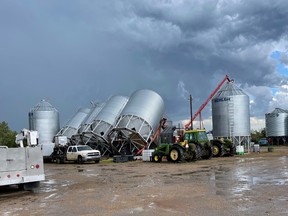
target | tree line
x=7, y=136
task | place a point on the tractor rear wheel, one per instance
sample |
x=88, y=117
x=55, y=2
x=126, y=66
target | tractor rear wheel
x=208, y=153
x=176, y=154
x=198, y=152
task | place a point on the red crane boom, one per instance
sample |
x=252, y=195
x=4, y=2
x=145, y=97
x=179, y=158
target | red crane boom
x=208, y=99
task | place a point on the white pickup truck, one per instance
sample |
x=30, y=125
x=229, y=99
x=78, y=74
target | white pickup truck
x=77, y=153
x=82, y=153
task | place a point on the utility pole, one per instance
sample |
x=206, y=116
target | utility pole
x=191, y=113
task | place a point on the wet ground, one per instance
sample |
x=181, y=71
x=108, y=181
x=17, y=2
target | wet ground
x=250, y=184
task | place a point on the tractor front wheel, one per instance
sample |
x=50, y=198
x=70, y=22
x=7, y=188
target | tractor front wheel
x=176, y=154
x=217, y=150
x=157, y=158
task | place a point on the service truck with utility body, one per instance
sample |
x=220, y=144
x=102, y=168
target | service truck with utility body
x=22, y=166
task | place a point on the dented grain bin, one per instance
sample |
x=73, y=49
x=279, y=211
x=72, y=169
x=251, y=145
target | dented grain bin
x=72, y=126
x=138, y=122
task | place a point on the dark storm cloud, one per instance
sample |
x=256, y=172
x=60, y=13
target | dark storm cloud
x=74, y=52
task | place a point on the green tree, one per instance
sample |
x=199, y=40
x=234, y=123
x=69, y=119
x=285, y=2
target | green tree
x=257, y=135
x=7, y=136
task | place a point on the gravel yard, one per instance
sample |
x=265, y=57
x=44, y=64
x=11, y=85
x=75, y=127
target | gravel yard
x=250, y=184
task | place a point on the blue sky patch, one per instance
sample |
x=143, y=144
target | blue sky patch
x=280, y=68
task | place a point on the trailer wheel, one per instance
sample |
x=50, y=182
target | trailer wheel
x=176, y=154
x=157, y=158
x=80, y=160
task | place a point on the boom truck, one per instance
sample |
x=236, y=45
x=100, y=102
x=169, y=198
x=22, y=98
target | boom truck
x=194, y=143
x=22, y=166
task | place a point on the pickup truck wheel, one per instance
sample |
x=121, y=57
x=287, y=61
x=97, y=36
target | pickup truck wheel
x=80, y=160
x=96, y=161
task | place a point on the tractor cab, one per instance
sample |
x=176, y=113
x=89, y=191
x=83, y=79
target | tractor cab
x=196, y=136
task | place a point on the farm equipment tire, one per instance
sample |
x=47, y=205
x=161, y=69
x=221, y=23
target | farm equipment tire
x=156, y=158
x=233, y=151
x=198, y=152
x=208, y=152
x=79, y=160
x=176, y=154
x=218, y=149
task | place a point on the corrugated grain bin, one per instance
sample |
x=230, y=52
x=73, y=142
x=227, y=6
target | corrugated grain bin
x=44, y=118
x=72, y=126
x=107, y=117
x=142, y=113
x=277, y=123
x=230, y=112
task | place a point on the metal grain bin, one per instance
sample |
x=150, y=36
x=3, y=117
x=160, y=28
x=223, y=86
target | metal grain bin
x=44, y=118
x=90, y=117
x=74, y=123
x=277, y=123
x=231, y=114
x=142, y=113
x=141, y=117
x=107, y=117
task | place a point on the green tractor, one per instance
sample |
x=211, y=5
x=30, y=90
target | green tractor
x=195, y=145
x=223, y=147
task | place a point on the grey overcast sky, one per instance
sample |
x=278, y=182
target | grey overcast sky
x=73, y=52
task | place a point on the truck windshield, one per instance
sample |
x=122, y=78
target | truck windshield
x=84, y=148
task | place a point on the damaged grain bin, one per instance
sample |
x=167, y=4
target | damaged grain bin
x=87, y=122
x=83, y=134
x=72, y=126
x=138, y=122
x=104, y=122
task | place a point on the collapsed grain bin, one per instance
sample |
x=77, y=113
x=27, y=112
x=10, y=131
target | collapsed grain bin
x=72, y=126
x=103, y=123
x=231, y=114
x=138, y=122
x=87, y=122
x=44, y=118
x=277, y=125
